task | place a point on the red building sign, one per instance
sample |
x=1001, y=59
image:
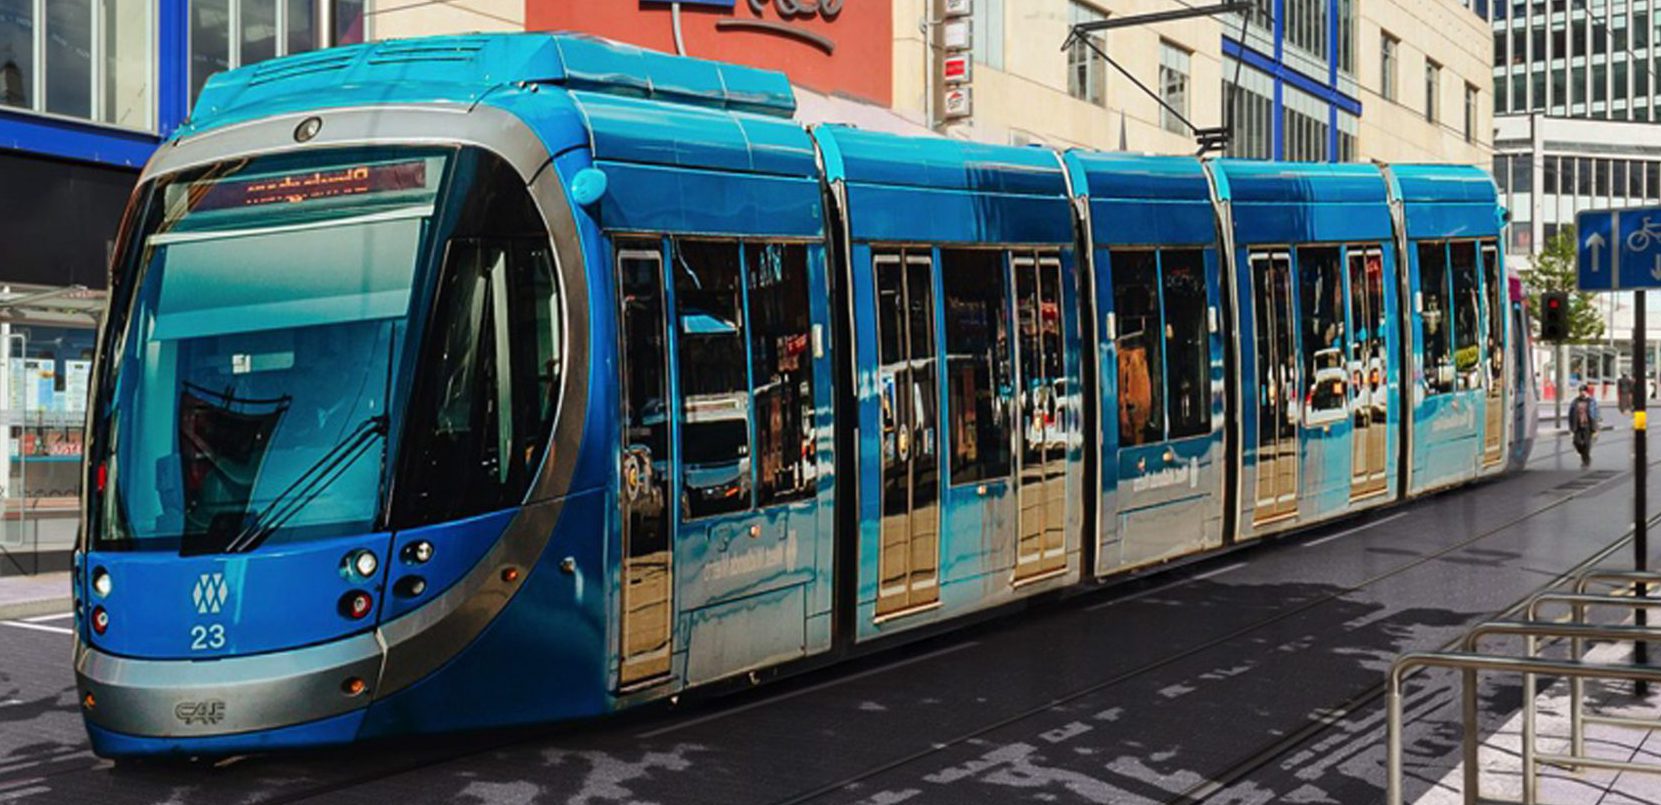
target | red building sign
x=830, y=46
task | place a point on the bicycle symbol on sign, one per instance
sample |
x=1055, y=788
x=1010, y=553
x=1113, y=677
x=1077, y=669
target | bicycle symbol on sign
x=1641, y=239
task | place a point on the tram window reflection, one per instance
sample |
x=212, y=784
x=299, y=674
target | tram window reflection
x=1467, y=315
x=1322, y=298
x=1140, y=346
x=978, y=370
x=1187, y=342
x=1438, y=340
x=781, y=343
x=715, y=395
x=1494, y=282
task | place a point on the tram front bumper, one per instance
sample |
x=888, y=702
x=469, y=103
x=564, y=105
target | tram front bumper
x=135, y=706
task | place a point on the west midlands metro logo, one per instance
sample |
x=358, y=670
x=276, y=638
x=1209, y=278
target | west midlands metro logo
x=210, y=593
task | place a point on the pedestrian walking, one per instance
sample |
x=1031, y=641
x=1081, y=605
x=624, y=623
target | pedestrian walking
x=1584, y=423
x=1623, y=393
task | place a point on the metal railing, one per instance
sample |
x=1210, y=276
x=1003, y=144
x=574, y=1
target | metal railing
x=1470, y=661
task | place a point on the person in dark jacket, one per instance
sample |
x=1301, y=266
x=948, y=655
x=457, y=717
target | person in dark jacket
x=1584, y=423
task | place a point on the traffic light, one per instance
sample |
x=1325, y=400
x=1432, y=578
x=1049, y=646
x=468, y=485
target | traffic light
x=1554, y=316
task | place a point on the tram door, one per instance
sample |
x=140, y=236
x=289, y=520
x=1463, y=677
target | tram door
x=1041, y=547
x=909, y=563
x=647, y=619
x=1369, y=386
x=1493, y=431
x=1278, y=411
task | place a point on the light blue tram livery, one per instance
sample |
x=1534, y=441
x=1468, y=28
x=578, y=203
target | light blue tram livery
x=470, y=381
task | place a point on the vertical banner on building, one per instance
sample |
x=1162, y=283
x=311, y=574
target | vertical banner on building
x=957, y=65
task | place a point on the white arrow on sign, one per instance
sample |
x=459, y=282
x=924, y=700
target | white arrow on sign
x=1594, y=244
x=1656, y=271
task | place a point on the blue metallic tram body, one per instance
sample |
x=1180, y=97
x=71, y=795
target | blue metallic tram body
x=661, y=389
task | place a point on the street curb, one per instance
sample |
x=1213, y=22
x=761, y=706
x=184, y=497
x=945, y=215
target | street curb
x=43, y=606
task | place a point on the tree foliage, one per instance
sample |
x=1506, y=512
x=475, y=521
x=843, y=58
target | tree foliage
x=1554, y=270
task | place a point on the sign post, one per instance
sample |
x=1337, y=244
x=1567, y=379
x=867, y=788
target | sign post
x=1621, y=250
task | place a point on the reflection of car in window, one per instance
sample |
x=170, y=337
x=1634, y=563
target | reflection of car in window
x=716, y=436
x=1324, y=403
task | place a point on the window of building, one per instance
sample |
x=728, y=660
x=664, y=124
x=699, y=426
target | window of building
x=1346, y=37
x=1433, y=90
x=1303, y=127
x=349, y=21
x=1387, y=57
x=1470, y=112
x=69, y=58
x=1173, y=86
x=987, y=43
x=264, y=29
x=715, y=400
x=781, y=372
x=1437, y=324
x=1263, y=14
x=1306, y=26
x=1321, y=296
x=89, y=59
x=978, y=367
x=1249, y=111
x=1086, y=69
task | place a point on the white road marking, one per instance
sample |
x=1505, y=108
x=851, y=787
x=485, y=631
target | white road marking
x=39, y=627
x=1219, y=571
x=45, y=618
x=1346, y=532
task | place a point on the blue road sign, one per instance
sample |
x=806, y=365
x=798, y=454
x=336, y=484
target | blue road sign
x=1619, y=250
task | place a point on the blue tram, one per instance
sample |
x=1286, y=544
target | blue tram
x=533, y=369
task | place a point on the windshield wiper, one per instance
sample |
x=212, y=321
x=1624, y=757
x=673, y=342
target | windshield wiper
x=309, y=485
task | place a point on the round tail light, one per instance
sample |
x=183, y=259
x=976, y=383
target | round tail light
x=356, y=604
x=100, y=620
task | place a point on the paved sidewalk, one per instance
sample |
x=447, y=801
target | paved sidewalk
x=1501, y=752
x=23, y=596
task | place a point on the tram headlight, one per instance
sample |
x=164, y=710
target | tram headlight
x=362, y=563
x=101, y=583
x=418, y=552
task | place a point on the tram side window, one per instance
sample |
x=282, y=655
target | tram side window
x=978, y=370
x=781, y=352
x=1494, y=280
x=1187, y=341
x=483, y=403
x=1320, y=278
x=1435, y=312
x=1467, y=316
x=490, y=403
x=715, y=393
x=1139, y=344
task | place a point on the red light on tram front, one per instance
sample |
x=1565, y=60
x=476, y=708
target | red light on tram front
x=356, y=604
x=100, y=620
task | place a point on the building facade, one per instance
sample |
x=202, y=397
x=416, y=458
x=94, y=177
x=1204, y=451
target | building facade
x=1576, y=128
x=1321, y=80
x=88, y=89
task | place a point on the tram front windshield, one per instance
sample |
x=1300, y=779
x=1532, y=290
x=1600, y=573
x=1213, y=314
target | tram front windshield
x=252, y=387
